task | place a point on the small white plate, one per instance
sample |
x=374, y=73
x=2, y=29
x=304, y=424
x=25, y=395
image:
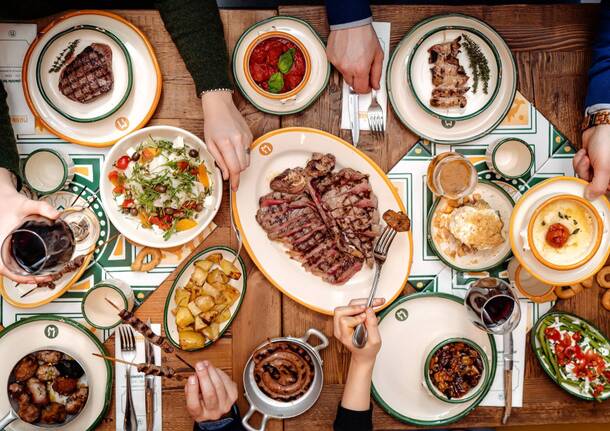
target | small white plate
x=132, y=114
x=412, y=115
x=420, y=76
x=169, y=322
x=314, y=49
x=129, y=226
x=290, y=147
x=518, y=224
x=66, y=335
x=410, y=328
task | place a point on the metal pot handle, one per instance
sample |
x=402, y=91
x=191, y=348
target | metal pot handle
x=8, y=419
x=321, y=337
x=247, y=417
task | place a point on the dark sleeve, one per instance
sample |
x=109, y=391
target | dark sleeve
x=341, y=15
x=9, y=158
x=599, y=73
x=196, y=29
x=352, y=420
x=221, y=424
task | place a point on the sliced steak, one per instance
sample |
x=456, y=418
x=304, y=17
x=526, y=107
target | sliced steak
x=89, y=75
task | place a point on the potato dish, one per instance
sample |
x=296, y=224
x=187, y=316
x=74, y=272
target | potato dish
x=204, y=303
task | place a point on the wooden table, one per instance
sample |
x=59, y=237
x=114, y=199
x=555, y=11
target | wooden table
x=550, y=44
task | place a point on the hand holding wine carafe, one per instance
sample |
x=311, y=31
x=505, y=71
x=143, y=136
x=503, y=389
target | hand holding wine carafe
x=493, y=307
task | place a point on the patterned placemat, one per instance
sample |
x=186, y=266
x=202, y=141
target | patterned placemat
x=553, y=157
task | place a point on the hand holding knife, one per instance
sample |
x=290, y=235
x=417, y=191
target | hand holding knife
x=150, y=385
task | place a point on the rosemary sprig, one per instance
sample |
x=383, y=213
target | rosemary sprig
x=478, y=64
x=64, y=56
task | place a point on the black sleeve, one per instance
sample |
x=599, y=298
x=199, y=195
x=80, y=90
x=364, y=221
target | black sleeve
x=352, y=420
x=9, y=158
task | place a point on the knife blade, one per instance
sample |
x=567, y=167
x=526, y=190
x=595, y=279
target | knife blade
x=354, y=108
x=150, y=385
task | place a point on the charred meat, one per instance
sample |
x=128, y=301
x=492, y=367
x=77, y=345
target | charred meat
x=88, y=75
x=25, y=368
x=455, y=369
x=448, y=76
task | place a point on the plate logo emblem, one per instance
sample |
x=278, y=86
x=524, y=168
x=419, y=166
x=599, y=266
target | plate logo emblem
x=265, y=149
x=121, y=123
x=401, y=314
x=448, y=124
x=51, y=331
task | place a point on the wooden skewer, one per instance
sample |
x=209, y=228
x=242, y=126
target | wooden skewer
x=110, y=358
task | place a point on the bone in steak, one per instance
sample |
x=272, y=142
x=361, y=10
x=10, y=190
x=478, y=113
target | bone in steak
x=88, y=75
x=327, y=219
x=448, y=76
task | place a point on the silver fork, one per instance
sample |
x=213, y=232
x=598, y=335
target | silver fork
x=380, y=253
x=235, y=230
x=128, y=353
x=375, y=116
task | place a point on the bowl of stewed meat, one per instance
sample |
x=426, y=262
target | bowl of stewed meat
x=455, y=370
x=277, y=65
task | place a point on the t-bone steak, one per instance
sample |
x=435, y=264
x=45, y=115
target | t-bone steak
x=89, y=75
x=327, y=219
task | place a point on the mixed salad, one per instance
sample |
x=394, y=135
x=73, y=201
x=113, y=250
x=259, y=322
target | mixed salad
x=164, y=184
x=576, y=353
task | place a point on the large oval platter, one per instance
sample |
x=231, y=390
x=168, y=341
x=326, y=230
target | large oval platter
x=291, y=147
x=66, y=335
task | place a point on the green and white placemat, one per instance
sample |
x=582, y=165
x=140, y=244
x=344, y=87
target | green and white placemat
x=553, y=157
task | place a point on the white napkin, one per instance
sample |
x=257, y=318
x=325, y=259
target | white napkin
x=383, y=33
x=15, y=40
x=137, y=385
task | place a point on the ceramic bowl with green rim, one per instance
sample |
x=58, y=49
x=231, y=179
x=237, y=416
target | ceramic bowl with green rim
x=184, y=276
x=474, y=391
x=510, y=158
x=445, y=247
x=419, y=74
x=64, y=47
x=47, y=170
x=95, y=308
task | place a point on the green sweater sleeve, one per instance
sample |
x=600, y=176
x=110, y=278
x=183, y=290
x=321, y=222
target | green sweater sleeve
x=196, y=29
x=9, y=158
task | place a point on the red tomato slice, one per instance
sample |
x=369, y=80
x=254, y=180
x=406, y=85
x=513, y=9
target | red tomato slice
x=577, y=336
x=127, y=203
x=552, y=334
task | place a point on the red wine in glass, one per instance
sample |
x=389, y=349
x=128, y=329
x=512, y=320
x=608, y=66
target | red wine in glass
x=497, y=310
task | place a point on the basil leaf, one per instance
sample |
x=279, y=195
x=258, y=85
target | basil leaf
x=276, y=82
x=286, y=60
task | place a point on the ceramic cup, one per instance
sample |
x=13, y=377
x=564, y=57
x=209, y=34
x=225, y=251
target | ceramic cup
x=528, y=285
x=47, y=170
x=98, y=312
x=510, y=158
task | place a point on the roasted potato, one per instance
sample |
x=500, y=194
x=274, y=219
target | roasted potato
x=199, y=276
x=195, y=311
x=191, y=340
x=215, y=258
x=182, y=297
x=184, y=317
x=204, y=265
x=199, y=324
x=204, y=303
x=217, y=276
x=224, y=316
x=212, y=291
x=230, y=269
x=211, y=331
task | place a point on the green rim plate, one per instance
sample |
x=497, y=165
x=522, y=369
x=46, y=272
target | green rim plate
x=63, y=162
x=499, y=171
x=46, y=97
x=170, y=295
x=98, y=285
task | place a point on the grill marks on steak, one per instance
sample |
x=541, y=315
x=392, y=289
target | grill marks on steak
x=327, y=220
x=88, y=75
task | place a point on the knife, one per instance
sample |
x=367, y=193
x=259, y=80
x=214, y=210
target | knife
x=354, y=108
x=150, y=385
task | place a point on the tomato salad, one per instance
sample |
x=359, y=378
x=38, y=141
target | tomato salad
x=277, y=65
x=163, y=184
x=577, y=354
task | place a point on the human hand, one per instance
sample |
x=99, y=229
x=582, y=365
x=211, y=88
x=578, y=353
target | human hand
x=227, y=135
x=210, y=393
x=16, y=208
x=357, y=55
x=592, y=162
x=345, y=321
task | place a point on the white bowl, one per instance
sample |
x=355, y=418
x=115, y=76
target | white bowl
x=130, y=226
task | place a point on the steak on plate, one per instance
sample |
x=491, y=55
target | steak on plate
x=88, y=75
x=327, y=219
x=448, y=76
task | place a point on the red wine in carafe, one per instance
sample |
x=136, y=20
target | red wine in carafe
x=42, y=245
x=497, y=310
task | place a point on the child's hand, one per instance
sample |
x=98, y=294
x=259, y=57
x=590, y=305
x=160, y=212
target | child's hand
x=345, y=321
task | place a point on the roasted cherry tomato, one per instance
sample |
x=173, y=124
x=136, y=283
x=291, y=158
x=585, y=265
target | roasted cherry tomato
x=123, y=162
x=557, y=235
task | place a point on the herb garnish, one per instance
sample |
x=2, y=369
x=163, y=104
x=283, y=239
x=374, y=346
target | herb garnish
x=64, y=56
x=286, y=60
x=276, y=82
x=478, y=64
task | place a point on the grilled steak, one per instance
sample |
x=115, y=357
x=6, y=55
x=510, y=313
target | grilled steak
x=327, y=220
x=88, y=75
x=448, y=76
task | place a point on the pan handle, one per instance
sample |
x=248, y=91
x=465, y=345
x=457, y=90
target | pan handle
x=7, y=419
x=323, y=340
x=247, y=417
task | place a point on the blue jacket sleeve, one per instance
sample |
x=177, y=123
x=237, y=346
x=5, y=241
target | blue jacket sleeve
x=599, y=73
x=350, y=13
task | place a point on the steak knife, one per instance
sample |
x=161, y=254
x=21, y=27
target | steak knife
x=354, y=108
x=150, y=385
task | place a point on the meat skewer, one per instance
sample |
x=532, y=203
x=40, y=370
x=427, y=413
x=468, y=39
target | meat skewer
x=148, y=369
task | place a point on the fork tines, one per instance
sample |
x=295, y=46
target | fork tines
x=128, y=340
x=382, y=245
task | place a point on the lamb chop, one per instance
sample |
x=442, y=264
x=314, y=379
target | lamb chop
x=88, y=75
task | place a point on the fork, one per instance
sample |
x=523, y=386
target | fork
x=375, y=116
x=128, y=353
x=235, y=230
x=380, y=253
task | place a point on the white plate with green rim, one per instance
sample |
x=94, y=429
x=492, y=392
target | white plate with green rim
x=317, y=71
x=428, y=126
x=67, y=45
x=478, y=99
x=482, y=260
x=400, y=389
x=169, y=320
x=66, y=335
x=106, y=121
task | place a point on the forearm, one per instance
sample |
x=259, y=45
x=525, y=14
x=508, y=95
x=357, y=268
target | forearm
x=598, y=95
x=357, y=391
x=9, y=158
x=340, y=16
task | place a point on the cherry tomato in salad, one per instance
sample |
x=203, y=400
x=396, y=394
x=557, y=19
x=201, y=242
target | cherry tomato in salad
x=552, y=334
x=118, y=190
x=577, y=336
x=127, y=203
x=115, y=178
x=123, y=162
x=158, y=222
x=566, y=341
x=599, y=389
x=182, y=165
